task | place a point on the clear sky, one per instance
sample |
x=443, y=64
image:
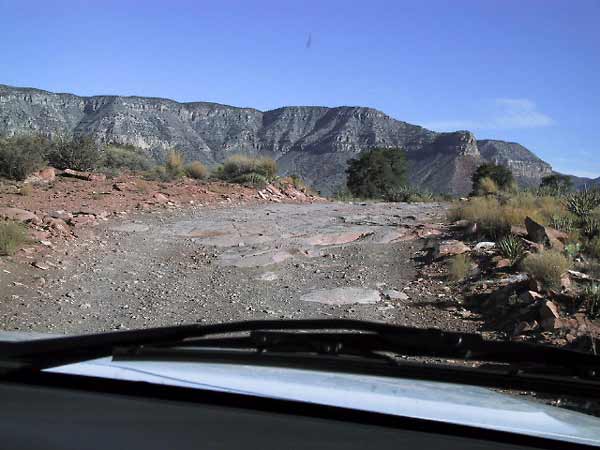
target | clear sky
x=518, y=70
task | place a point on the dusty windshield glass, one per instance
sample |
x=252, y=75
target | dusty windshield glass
x=426, y=165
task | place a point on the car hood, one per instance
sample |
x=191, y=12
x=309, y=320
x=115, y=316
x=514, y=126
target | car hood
x=443, y=402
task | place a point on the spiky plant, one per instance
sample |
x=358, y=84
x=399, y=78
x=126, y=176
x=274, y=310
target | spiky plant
x=584, y=202
x=564, y=223
x=591, y=226
x=591, y=299
x=511, y=247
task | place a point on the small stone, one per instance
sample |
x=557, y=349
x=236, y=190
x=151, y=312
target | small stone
x=393, y=294
x=483, y=246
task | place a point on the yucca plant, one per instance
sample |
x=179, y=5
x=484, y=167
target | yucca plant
x=591, y=226
x=564, y=223
x=591, y=299
x=511, y=247
x=584, y=202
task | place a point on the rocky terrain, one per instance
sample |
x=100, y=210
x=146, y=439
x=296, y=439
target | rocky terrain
x=313, y=142
x=218, y=263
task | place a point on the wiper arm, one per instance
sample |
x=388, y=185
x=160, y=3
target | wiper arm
x=296, y=342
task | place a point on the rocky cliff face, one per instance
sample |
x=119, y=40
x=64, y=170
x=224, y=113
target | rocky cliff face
x=313, y=142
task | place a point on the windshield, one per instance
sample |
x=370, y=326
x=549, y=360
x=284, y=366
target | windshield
x=426, y=165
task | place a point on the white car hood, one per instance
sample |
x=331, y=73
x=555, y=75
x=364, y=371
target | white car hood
x=444, y=402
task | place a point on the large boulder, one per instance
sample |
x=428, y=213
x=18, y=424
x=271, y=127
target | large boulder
x=547, y=236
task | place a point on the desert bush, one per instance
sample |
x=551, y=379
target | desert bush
x=408, y=194
x=511, y=247
x=590, y=226
x=591, y=300
x=174, y=165
x=12, y=237
x=236, y=166
x=126, y=157
x=487, y=186
x=266, y=167
x=21, y=156
x=501, y=176
x=80, y=153
x=547, y=267
x=26, y=190
x=459, y=267
x=593, y=247
x=196, y=170
x=252, y=179
x=563, y=222
x=584, y=202
x=573, y=249
x=376, y=172
x=556, y=185
x=486, y=212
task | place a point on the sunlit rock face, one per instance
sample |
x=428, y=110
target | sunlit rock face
x=311, y=141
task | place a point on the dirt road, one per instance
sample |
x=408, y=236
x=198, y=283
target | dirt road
x=219, y=264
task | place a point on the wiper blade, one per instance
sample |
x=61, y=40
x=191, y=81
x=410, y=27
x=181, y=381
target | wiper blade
x=274, y=335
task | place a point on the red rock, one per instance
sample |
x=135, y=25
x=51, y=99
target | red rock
x=451, y=248
x=19, y=215
x=47, y=174
x=550, y=316
x=503, y=263
x=82, y=220
x=160, y=198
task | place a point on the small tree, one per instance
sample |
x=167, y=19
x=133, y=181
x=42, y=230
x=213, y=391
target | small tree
x=500, y=175
x=557, y=183
x=23, y=155
x=80, y=153
x=377, y=172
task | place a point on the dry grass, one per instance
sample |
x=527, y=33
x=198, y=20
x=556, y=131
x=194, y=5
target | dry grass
x=487, y=186
x=240, y=165
x=12, y=237
x=196, y=170
x=495, y=217
x=547, y=267
x=460, y=267
x=174, y=165
x=26, y=190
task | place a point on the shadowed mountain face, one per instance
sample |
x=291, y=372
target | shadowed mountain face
x=311, y=141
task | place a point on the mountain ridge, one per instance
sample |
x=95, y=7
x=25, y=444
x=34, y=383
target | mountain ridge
x=314, y=142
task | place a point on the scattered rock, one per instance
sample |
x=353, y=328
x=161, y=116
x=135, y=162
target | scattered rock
x=483, y=246
x=40, y=265
x=393, y=294
x=19, y=215
x=160, y=198
x=342, y=296
x=442, y=249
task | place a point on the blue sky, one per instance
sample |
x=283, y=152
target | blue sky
x=524, y=71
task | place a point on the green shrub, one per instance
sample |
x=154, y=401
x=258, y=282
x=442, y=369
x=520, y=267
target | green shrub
x=556, y=185
x=237, y=166
x=460, y=267
x=126, y=157
x=500, y=175
x=487, y=186
x=591, y=300
x=593, y=248
x=196, y=170
x=584, y=202
x=26, y=190
x=408, y=194
x=253, y=179
x=21, y=156
x=563, y=222
x=12, y=237
x=80, y=153
x=590, y=226
x=547, y=267
x=511, y=247
x=377, y=172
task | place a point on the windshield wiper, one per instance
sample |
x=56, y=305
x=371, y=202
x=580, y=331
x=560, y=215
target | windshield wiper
x=322, y=344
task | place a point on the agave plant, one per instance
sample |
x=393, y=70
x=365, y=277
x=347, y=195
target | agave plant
x=591, y=298
x=511, y=247
x=584, y=202
x=564, y=223
x=591, y=226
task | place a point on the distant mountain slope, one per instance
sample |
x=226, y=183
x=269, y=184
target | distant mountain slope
x=311, y=141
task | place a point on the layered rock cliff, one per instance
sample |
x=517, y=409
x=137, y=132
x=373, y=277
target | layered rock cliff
x=313, y=142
